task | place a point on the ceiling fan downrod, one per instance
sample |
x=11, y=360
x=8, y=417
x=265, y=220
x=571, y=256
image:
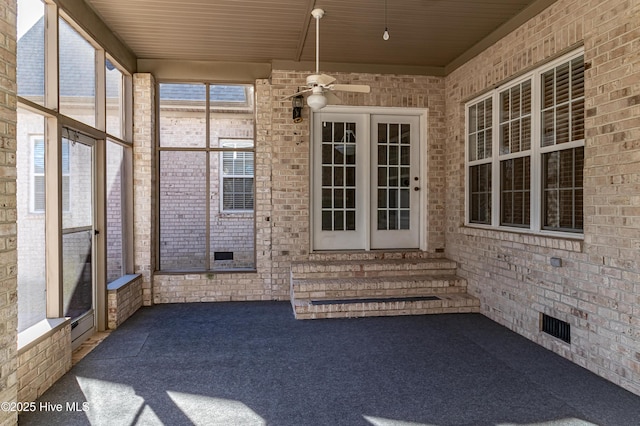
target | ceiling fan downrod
x=317, y=14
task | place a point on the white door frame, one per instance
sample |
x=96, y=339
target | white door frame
x=422, y=113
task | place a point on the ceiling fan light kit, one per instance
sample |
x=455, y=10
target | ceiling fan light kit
x=316, y=101
x=321, y=86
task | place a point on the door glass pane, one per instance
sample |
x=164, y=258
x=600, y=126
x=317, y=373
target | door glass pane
x=77, y=233
x=338, y=176
x=77, y=273
x=393, y=210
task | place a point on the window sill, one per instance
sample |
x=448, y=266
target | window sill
x=122, y=282
x=568, y=242
x=40, y=331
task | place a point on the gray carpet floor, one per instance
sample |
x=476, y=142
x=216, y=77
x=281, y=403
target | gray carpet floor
x=254, y=364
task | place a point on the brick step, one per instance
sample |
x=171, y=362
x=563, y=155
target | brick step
x=332, y=256
x=372, y=268
x=440, y=304
x=399, y=286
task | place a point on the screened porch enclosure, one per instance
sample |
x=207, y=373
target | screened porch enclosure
x=206, y=188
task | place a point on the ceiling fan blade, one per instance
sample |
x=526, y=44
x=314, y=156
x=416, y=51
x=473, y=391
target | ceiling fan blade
x=296, y=94
x=331, y=98
x=360, y=88
x=324, y=80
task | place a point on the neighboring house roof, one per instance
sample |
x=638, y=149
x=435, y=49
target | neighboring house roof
x=30, y=72
x=76, y=61
x=196, y=92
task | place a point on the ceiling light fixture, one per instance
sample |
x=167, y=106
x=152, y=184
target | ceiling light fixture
x=317, y=100
x=385, y=36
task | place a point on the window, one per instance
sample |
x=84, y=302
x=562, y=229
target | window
x=237, y=176
x=38, y=181
x=206, y=185
x=528, y=173
x=515, y=150
x=563, y=161
x=480, y=136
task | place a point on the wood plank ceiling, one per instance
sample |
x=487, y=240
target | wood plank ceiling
x=424, y=33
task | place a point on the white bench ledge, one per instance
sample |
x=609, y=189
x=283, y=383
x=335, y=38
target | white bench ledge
x=122, y=281
x=40, y=331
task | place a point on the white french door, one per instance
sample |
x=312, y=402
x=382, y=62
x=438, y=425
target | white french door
x=395, y=182
x=366, y=181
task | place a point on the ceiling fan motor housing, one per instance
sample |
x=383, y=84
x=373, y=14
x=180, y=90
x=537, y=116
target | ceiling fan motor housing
x=313, y=80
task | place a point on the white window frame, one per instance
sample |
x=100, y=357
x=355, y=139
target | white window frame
x=49, y=108
x=234, y=146
x=535, y=153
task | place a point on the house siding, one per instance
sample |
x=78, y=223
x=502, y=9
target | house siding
x=596, y=290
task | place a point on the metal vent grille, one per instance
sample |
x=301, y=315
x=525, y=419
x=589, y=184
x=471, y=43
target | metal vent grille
x=223, y=255
x=556, y=328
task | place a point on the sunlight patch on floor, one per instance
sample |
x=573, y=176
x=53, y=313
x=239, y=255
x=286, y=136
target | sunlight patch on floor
x=116, y=402
x=379, y=421
x=205, y=410
x=560, y=422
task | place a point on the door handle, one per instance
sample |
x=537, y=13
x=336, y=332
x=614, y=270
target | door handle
x=417, y=188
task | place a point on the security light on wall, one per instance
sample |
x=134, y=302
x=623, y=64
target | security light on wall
x=297, y=102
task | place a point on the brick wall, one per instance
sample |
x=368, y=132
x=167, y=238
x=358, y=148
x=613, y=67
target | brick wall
x=290, y=233
x=596, y=290
x=282, y=184
x=144, y=180
x=8, y=239
x=123, y=300
x=41, y=364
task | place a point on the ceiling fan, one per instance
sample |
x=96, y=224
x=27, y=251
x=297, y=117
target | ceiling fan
x=322, y=86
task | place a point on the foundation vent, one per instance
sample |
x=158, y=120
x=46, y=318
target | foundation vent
x=223, y=255
x=556, y=328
